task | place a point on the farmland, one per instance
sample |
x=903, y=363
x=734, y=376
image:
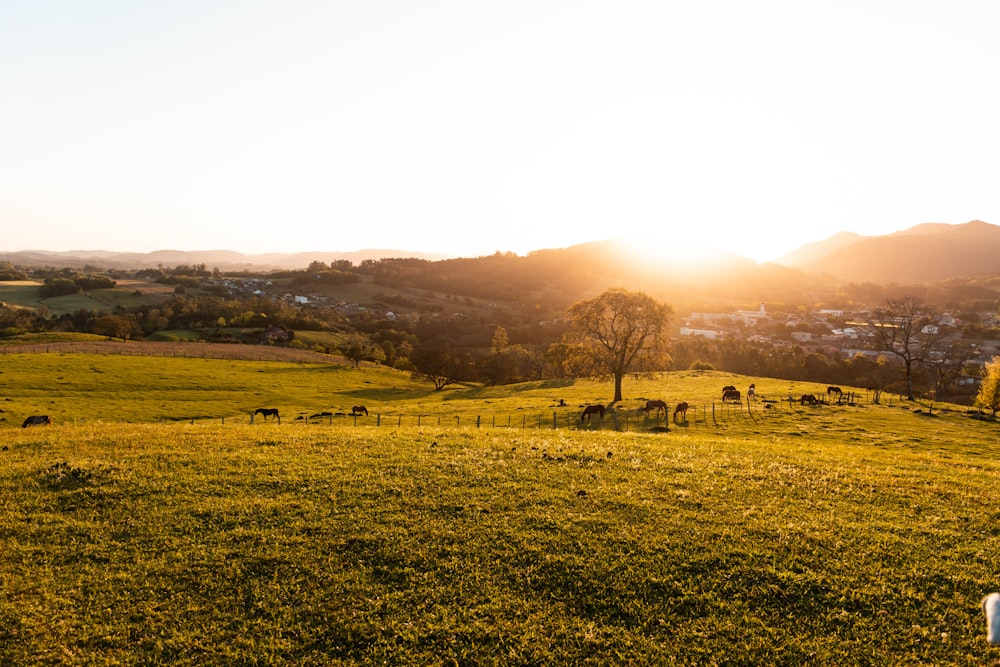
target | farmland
x=126, y=294
x=154, y=524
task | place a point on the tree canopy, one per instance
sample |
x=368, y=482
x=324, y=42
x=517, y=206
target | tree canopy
x=622, y=331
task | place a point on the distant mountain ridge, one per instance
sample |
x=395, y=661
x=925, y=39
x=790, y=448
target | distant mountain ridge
x=925, y=253
x=223, y=259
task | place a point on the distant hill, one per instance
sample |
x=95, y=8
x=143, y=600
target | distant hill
x=816, y=251
x=925, y=253
x=223, y=259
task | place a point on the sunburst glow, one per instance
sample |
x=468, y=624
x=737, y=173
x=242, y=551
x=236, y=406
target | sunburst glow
x=467, y=128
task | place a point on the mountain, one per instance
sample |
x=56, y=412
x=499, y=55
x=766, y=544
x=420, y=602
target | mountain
x=925, y=253
x=816, y=251
x=223, y=259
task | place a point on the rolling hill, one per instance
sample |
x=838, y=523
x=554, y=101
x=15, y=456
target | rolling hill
x=924, y=253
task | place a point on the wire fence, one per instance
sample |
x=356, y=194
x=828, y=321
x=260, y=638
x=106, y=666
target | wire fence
x=710, y=414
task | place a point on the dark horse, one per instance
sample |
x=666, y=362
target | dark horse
x=37, y=420
x=682, y=410
x=359, y=410
x=656, y=405
x=808, y=399
x=592, y=410
x=731, y=395
x=267, y=412
x=830, y=391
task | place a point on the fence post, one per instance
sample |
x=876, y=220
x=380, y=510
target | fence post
x=555, y=423
x=478, y=420
x=378, y=419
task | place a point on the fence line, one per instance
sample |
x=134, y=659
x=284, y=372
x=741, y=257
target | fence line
x=711, y=414
x=707, y=415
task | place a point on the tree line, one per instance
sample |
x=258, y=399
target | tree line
x=607, y=335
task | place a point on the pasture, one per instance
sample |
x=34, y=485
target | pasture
x=127, y=293
x=124, y=386
x=826, y=534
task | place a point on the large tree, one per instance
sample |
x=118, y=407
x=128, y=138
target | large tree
x=906, y=327
x=622, y=330
x=441, y=364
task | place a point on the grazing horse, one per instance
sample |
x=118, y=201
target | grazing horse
x=359, y=410
x=830, y=391
x=37, y=420
x=726, y=389
x=731, y=395
x=682, y=410
x=591, y=410
x=808, y=399
x=752, y=392
x=267, y=412
x=656, y=405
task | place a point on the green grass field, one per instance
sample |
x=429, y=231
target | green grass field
x=127, y=293
x=791, y=535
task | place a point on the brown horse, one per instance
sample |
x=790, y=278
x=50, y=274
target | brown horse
x=808, y=399
x=591, y=410
x=731, y=395
x=656, y=405
x=726, y=389
x=37, y=420
x=359, y=410
x=682, y=410
x=830, y=391
x=267, y=412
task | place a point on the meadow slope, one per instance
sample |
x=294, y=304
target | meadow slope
x=788, y=535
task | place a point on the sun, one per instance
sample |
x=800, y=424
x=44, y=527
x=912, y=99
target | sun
x=677, y=252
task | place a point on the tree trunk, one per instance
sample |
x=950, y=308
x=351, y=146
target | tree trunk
x=909, y=380
x=618, y=387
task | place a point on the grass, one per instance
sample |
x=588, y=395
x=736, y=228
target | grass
x=127, y=293
x=226, y=545
x=793, y=535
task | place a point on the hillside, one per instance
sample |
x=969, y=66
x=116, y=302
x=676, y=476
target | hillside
x=790, y=535
x=921, y=254
x=228, y=260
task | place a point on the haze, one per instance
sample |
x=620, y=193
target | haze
x=471, y=127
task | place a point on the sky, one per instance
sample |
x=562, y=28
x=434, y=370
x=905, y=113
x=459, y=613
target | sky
x=469, y=127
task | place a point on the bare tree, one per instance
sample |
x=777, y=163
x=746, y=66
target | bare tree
x=906, y=328
x=948, y=368
x=622, y=330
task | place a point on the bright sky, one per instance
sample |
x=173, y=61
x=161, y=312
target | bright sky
x=468, y=126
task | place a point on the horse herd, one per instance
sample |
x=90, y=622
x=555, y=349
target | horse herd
x=273, y=412
x=730, y=394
